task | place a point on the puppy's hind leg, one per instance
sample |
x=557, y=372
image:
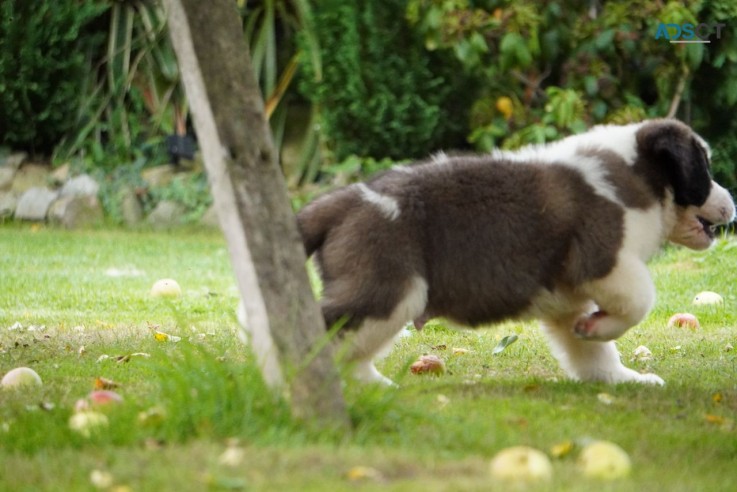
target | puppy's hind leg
x=588, y=360
x=375, y=336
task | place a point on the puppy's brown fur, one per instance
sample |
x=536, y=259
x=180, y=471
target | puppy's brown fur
x=551, y=232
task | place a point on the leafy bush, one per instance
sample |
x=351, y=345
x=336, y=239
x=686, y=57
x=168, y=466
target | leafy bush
x=554, y=68
x=132, y=94
x=189, y=189
x=43, y=65
x=379, y=93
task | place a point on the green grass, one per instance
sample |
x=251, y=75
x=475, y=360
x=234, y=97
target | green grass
x=67, y=310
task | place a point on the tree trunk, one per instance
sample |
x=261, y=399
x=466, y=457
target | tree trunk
x=253, y=207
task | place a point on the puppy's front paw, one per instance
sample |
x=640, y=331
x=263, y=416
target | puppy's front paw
x=650, y=379
x=366, y=372
x=627, y=375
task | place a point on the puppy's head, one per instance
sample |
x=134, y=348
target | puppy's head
x=674, y=157
x=694, y=227
x=678, y=160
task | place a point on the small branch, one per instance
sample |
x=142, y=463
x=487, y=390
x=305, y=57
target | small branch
x=532, y=83
x=680, y=88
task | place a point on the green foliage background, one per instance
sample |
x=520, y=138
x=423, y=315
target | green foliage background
x=554, y=68
x=96, y=81
x=44, y=58
x=380, y=93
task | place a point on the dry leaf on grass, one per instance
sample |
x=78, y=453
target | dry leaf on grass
x=102, y=383
x=160, y=336
x=361, y=473
x=562, y=449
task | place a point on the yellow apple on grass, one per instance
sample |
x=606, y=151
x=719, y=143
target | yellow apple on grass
x=20, y=376
x=604, y=460
x=88, y=423
x=521, y=464
x=707, y=298
x=166, y=287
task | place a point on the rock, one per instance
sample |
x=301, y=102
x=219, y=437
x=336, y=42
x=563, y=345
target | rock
x=210, y=217
x=82, y=185
x=158, y=176
x=60, y=174
x=8, y=202
x=30, y=176
x=166, y=214
x=74, y=212
x=14, y=160
x=35, y=203
x=6, y=178
x=130, y=207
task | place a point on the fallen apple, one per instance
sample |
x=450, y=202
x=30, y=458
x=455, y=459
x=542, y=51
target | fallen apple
x=604, y=460
x=101, y=479
x=684, y=320
x=20, y=376
x=166, y=287
x=428, y=364
x=100, y=398
x=87, y=423
x=707, y=298
x=521, y=464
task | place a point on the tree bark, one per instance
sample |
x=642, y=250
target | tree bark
x=252, y=203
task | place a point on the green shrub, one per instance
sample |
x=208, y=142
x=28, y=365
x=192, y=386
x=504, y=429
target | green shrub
x=380, y=94
x=43, y=65
x=554, y=68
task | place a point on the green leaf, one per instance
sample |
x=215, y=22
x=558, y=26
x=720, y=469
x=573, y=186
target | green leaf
x=694, y=55
x=605, y=40
x=509, y=49
x=504, y=343
x=591, y=85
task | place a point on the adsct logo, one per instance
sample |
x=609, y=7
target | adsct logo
x=689, y=33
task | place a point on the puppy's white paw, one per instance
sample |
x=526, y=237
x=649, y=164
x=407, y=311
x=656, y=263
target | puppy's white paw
x=627, y=375
x=651, y=379
x=366, y=372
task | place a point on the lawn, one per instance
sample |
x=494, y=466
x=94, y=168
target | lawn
x=75, y=306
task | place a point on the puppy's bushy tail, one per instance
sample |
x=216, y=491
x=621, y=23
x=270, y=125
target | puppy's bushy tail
x=317, y=218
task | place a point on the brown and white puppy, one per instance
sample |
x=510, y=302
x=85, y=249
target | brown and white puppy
x=560, y=232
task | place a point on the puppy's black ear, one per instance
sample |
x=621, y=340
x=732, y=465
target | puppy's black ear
x=680, y=156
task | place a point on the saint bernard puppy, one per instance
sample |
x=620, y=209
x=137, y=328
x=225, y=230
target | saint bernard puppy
x=558, y=232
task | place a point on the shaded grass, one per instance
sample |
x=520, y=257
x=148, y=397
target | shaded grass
x=430, y=434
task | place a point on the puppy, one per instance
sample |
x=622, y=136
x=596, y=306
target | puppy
x=559, y=232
